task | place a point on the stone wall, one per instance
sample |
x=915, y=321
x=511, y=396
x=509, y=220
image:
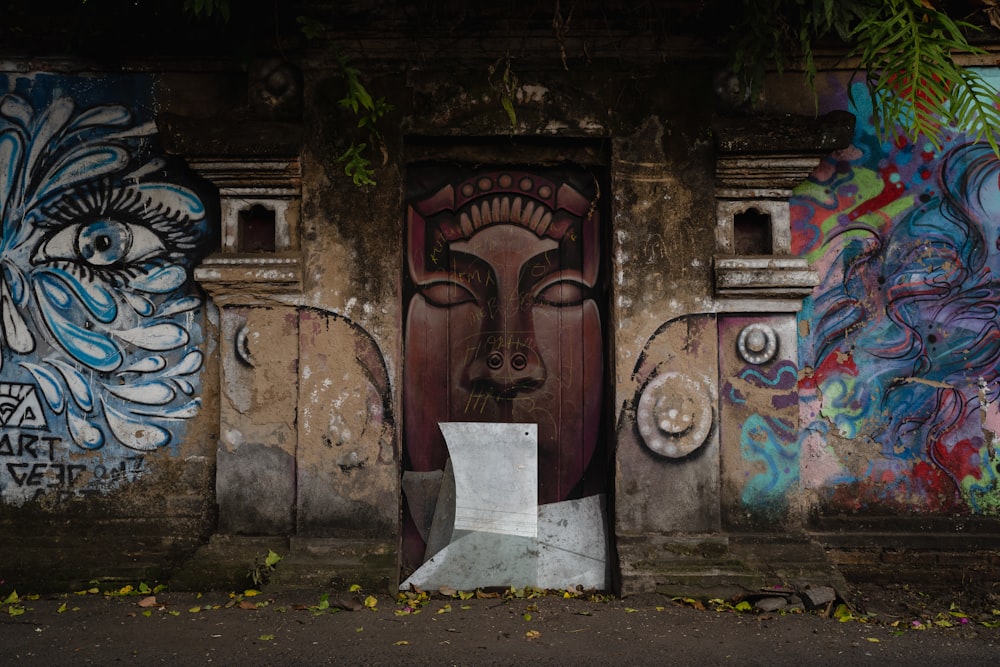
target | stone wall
x=208, y=328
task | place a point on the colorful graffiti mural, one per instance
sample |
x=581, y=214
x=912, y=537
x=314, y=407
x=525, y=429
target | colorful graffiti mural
x=900, y=345
x=100, y=329
x=502, y=321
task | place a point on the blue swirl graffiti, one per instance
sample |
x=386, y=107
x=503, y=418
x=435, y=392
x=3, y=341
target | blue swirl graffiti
x=99, y=238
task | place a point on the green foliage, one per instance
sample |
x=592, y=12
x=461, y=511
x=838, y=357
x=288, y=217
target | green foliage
x=208, y=8
x=369, y=110
x=262, y=570
x=505, y=86
x=772, y=32
x=905, y=47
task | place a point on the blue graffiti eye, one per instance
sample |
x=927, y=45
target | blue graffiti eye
x=105, y=242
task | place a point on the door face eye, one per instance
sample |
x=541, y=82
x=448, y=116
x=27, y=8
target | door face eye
x=447, y=293
x=562, y=292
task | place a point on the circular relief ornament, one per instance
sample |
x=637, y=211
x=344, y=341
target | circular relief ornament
x=757, y=344
x=674, y=415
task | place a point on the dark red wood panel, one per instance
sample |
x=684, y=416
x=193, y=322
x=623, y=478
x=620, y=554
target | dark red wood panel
x=503, y=317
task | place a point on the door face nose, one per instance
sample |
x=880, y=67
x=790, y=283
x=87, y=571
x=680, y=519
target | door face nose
x=507, y=368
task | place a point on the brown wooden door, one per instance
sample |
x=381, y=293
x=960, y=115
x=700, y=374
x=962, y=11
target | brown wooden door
x=503, y=318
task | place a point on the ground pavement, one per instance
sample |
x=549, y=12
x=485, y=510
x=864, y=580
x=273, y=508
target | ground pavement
x=879, y=626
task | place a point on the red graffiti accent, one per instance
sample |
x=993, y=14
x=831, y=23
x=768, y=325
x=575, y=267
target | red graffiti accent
x=925, y=92
x=892, y=189
x=835, y=363
x=923, y=488
x=936, y=488
x=961, y=459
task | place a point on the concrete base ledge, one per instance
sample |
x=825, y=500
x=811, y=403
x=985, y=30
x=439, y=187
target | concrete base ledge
x=227, y=561
x=722, y=565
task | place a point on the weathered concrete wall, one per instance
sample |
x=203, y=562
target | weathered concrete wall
x=271, y=408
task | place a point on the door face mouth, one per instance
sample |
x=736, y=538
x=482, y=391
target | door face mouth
x=504, y=323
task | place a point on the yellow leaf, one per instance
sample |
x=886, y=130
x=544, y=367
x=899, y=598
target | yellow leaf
x=371, y=601
x=532, y=634
x=873, y=640
x=354, y=588
x=61, y=608
x=401, y=642
x=11, y=599
x=445, y=609
x=266, y=638
x=194, y=610
x=251, y=592
x=147, y=613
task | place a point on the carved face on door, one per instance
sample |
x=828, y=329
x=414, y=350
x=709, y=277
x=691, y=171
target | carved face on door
x=503, y=323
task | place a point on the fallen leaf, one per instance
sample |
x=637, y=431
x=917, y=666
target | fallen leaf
x=532, y=634
x=447, y=591
x=246, y=604
x=194, y=610
x=266, y=638
x=401, y=642
x=61, y=608
x=148, y=601
x=873, y=640
x=371, y=601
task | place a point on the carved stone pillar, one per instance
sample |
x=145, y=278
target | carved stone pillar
x=256, y=281
x=760, y=285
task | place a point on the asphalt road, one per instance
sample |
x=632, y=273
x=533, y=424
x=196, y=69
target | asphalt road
x=899, y=627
